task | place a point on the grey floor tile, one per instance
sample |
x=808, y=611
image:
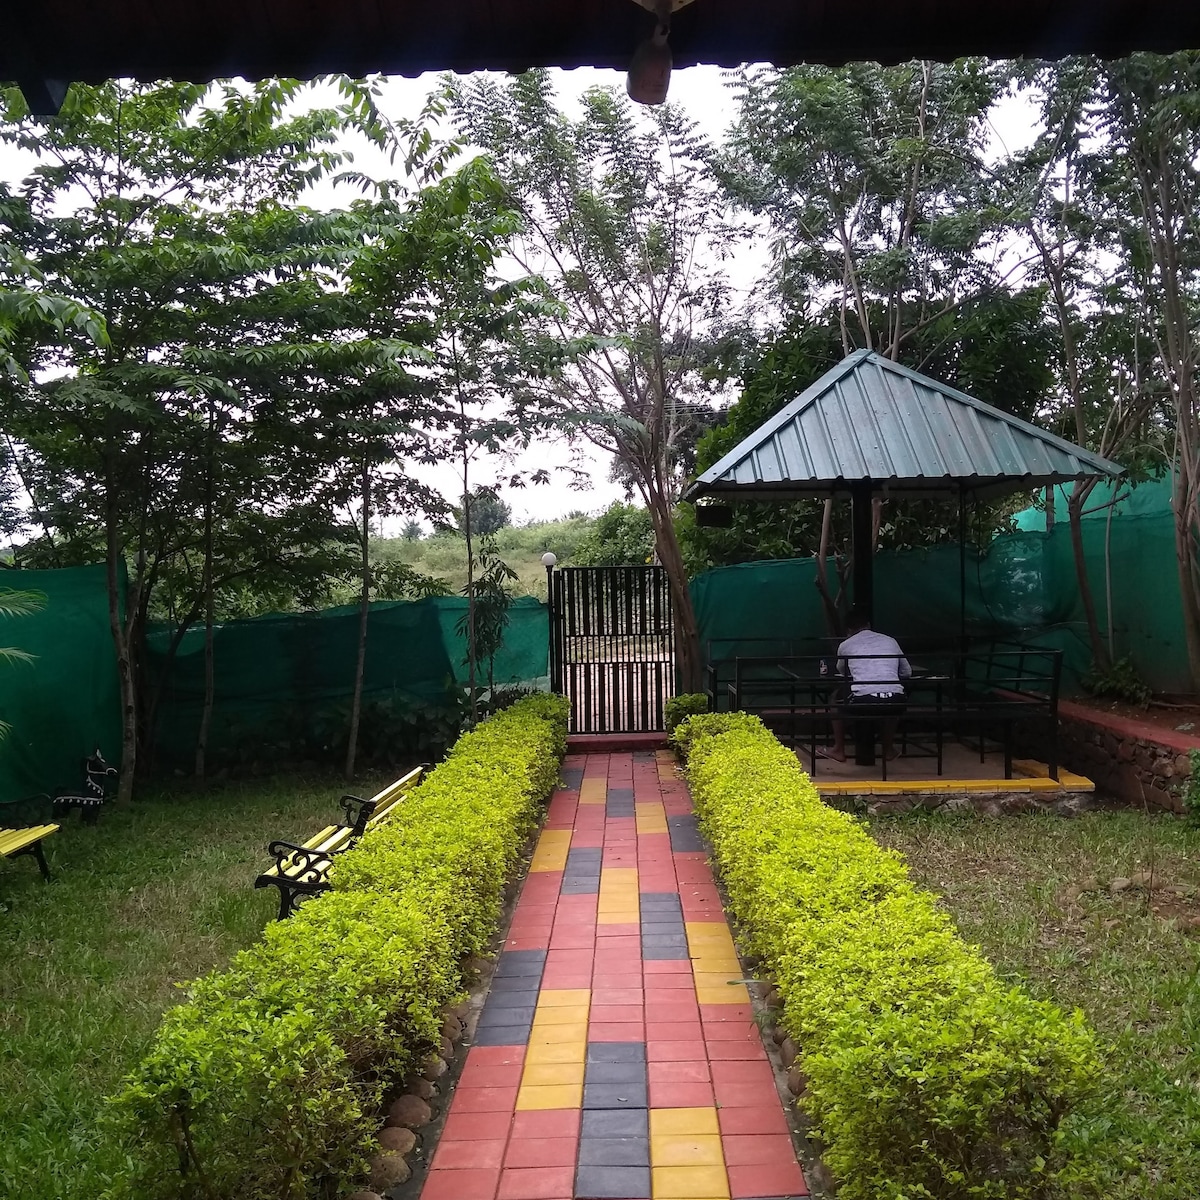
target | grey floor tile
x=614, y=1152
x=519, y=962
x=616, y=1072
x=603, y=1183
x=616, y=1052
x=614, y=1122
x=614, y=1095
x=664, y=955
x=502, y=1035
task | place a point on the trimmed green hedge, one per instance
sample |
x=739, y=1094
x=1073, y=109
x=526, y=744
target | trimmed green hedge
x=927, y=1076
x=267, y=1082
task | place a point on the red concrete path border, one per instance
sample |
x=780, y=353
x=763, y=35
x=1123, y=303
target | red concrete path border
x=617, y=1055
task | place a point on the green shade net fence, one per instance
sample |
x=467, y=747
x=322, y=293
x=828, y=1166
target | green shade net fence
x=67, y=702
x=283, y=684
x=1023, y=586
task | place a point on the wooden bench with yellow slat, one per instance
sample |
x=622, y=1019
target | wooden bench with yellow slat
x=303, y=870
x=15, y=842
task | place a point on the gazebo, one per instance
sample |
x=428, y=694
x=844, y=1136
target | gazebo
x=870, y=427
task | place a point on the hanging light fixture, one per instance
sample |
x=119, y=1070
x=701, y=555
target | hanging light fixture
x=650, y=69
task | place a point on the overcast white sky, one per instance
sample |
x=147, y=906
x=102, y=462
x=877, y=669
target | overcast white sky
x=703, y=92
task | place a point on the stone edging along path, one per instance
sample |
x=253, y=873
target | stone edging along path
x=614, y=1059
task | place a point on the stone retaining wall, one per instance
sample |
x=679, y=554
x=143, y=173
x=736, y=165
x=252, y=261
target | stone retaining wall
x=1130, y=760
x=985, y=803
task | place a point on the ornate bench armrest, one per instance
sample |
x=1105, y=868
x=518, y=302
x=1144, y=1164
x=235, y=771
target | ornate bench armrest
x=300, y=864
x=358, y=812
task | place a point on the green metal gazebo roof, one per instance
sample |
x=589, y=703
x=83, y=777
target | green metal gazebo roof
x=870, y=420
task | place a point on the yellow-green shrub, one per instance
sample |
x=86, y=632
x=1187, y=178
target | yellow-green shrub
x=267, y=1082
x=927, y=1077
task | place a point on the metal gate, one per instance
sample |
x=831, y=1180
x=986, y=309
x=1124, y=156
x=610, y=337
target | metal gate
x=612, y=646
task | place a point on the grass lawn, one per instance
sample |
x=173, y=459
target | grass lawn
x=1013, y=886
x=153, y=895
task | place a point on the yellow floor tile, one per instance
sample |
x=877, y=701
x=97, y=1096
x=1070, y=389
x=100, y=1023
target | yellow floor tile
x=556, y=1095
x=692, y=1183
x=617, y=876
x=547, y=1053
x=718, y=979
x=714, y=958
x=619, y=916
x=669, y=1122
x=709, y=929
x=686, y=1150
x=551, y=851
x=593, y=791
x=722, y=995
x=572, y=1031
x=565, y=1014
x=563, y=997
x=552, y=1074
x=718, y=966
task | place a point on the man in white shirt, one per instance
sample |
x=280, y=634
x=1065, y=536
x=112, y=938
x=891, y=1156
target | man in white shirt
x=875, y=664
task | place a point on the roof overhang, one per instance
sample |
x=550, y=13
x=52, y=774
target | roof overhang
x=871, y=422
x=200, y=40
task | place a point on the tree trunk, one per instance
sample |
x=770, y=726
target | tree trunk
x=687, y=629
x=471, y=669
x=124, y=663
x=1075, y=502
x=1189, y=576
x=833, y=619
x=207, y=589
x=364, y=613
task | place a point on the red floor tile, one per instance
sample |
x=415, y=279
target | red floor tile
x=481, y=1074
x=556, y=1152
x=546, y=1123
x=570, y=939
x=567, y=980
x=537, y=1183
x=475, y=1153
x=770, y=1179
x=678, y=1071
x=461, y=1185
x=468, y=1126
x=618, y=995
x=737, y=1094
x=627, y=1031
x=760, y=1119
x=615, y=1014
x=670, y=983
x=485, y=1099
x=687, y=1094
x=740, y=1048
x=724, y=1013
x=529, y=941
x=744, y=1071
x=660, y=1051
x=675, y=1031
x=746, y=1150
x=665, y=1006
x=496, y=1056
x=732, y=1031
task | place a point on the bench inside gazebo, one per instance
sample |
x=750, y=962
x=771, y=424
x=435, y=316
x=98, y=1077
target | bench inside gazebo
x=870, y=428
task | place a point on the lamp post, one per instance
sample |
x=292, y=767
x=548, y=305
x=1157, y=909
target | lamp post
x=548, y=561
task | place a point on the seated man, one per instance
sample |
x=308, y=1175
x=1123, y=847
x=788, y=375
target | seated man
x=875, y=664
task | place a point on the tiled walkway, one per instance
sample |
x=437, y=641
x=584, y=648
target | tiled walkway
x=614, y=1057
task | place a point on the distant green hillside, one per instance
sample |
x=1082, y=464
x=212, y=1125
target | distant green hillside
x=444, y=555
